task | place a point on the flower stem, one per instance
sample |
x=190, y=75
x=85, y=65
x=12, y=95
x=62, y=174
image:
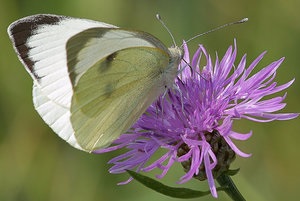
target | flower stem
x=229, y=187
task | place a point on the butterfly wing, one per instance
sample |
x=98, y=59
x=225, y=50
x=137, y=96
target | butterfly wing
x=40, y=43
x=116, y=75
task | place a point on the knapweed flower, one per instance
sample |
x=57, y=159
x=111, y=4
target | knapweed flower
x=193, y=121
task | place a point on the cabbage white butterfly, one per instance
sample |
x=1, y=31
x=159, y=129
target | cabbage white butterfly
x=91, y=80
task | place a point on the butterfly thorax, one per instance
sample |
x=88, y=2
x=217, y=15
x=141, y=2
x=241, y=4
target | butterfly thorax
x=176, y=54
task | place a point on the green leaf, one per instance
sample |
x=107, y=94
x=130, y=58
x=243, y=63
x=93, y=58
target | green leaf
x=167, y=190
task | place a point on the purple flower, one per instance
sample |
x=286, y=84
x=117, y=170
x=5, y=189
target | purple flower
x=193, y=121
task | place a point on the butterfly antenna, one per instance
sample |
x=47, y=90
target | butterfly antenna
x=217, y=28
x=165, y=26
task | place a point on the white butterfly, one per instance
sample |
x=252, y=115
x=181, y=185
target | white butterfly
x=91, y=80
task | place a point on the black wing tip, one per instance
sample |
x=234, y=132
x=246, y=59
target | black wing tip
x=31, y=22
x=22, y=29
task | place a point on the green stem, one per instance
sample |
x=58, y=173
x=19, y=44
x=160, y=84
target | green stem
x=229, y=187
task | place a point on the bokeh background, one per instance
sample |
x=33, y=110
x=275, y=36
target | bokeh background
x=37, y=165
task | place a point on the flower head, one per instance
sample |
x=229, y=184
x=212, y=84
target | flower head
x=193, y=121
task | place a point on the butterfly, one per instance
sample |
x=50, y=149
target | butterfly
x=91, y=80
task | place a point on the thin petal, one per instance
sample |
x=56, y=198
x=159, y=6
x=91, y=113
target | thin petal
x=235, y=149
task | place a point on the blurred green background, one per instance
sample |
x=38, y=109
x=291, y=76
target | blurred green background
x=37, y=165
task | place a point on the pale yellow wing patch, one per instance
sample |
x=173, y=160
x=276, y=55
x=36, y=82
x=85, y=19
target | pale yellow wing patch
x=111, y=95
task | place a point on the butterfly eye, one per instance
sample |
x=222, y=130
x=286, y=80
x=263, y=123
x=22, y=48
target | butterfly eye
x=111, y=57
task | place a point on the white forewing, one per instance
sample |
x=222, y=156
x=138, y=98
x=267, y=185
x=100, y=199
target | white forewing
x=40, y=42
x=47, y=50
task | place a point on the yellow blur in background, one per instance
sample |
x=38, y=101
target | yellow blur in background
x=37, y=165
